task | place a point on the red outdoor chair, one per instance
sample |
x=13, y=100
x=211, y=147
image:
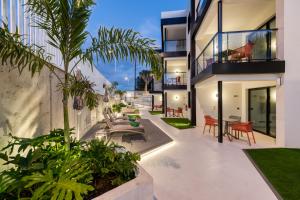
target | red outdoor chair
x=211, y=122
x=179, y=112
x=243, y=128
x=178, y=80
x=170, y=111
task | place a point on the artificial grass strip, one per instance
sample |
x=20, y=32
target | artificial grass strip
x=155, y=112
x=281, y=166
x=180, y=123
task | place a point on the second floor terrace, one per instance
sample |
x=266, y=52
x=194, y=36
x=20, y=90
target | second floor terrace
x=173, y=31
x=175, y=76
x=238, y=52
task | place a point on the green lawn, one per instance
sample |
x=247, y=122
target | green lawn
x=282, y=168
x=155, y=112
x=180, y=123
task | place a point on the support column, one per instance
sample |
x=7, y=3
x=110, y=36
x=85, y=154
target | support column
x=152, y=102
x=193, y=108
x=220, y=111
x=163, y=102
x=220, y=30
x=166, y=104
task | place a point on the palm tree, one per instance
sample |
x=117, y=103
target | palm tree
x=147, y=77
x=121, y=93
x=65, y=23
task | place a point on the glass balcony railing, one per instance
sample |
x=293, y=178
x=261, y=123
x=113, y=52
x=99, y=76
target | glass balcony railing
x=239, y=46
x=200, y=7
x=175, y=78
x=175, y=45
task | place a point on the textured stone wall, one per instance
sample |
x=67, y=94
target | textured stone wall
x=31, y=106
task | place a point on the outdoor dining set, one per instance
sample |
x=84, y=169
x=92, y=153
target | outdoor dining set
x=233, y=127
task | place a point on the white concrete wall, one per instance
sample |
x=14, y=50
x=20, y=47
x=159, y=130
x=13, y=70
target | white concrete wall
x=207, y=101
x=289, y=93
x=32, y=106
x=157, y=99
x=177, y=98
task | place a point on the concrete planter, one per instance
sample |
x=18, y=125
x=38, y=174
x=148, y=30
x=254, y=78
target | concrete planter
x=139, y=188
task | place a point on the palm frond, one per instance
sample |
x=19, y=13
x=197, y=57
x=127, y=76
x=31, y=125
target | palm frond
x=115, y=43
x=64, y=22
x=15, y=52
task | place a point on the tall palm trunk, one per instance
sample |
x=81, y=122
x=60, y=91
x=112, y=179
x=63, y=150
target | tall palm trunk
x=146, y=86
x=66, y=111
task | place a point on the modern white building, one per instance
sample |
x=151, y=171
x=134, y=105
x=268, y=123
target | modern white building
x=243, y=60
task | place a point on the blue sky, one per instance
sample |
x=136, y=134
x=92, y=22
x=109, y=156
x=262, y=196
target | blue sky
x=142, y=16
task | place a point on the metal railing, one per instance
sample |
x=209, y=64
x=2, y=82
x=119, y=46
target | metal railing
x=175, y=45
x=175, y=78
x=238, y=46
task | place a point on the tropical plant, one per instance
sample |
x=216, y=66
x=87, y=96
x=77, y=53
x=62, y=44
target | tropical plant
x=42, y=168
x=147, y=77
x=121, y=93
x=112, y=159
x=118, y=107
x=65, y=22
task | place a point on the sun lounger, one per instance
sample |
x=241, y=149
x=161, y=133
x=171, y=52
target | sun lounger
x=124, y=129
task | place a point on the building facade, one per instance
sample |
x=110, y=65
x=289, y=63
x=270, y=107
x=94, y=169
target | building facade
x=242, y=57
x=176, y=79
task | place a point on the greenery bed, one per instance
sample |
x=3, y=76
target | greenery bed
x=42, y=168
x=180, y=123
x=281, y=167
x=155, y=112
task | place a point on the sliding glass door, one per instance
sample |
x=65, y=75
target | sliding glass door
x=262, y=110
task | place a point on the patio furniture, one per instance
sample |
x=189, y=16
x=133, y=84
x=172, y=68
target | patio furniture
x=123, y=129
x=244, y=128
x=170, y=112
x=242, y=52
x=229, y=122
x=178, y=80
x=211, y=122
x=114, y=121
x=157, y=107
x=178, y=112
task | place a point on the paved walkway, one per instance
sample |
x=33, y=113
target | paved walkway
x=196, y=167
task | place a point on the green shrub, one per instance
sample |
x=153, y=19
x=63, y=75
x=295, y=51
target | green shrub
x=118, y=107
x=42, y=168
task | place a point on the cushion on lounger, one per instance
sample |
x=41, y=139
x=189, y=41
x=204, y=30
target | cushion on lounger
x=134, y=124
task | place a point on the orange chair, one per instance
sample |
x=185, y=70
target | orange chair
x=243, y=128
x=211, y=122
x=179, y=112
x=170, y=111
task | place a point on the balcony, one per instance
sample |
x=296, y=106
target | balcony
x=175, y=80
x=238, y=47
x=175, y=45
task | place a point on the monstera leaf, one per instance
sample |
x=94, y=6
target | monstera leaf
x=70, y=183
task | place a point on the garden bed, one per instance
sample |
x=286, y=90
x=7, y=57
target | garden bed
x=280, y=168
x=180, y=123
x=139, y=188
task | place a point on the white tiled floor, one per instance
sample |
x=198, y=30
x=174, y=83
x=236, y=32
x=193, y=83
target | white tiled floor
x=197, y=167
